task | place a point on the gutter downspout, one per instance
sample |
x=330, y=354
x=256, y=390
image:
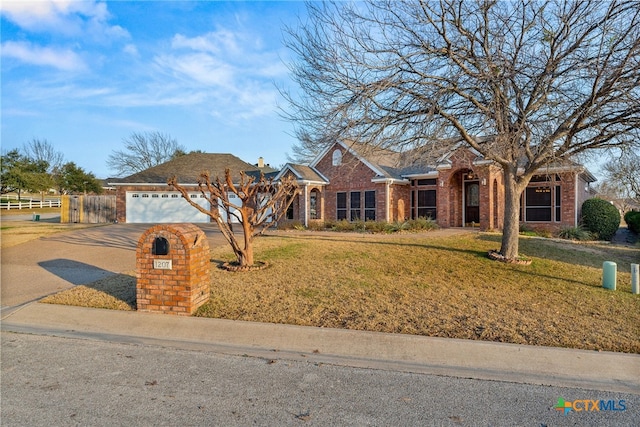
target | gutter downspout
x=388, y=201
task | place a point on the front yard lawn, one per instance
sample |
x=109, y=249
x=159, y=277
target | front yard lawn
x=429, y=285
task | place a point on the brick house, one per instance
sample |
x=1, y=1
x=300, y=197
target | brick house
x=349, y=181
x=145, y=197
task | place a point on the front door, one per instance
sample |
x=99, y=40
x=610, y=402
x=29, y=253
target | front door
x=471, y=203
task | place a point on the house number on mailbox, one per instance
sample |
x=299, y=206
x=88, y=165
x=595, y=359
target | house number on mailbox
x=162, y=264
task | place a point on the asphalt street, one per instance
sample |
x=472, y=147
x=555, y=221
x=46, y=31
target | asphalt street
x=51, y=381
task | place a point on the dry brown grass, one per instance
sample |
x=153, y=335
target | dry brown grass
x=435, y=286
x=13, y=233
x=117, y=292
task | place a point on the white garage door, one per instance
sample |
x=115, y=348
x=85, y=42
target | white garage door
x=164, y=207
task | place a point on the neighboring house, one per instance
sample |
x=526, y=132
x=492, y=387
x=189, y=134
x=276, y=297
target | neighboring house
x=145, y=197
x=460, y=188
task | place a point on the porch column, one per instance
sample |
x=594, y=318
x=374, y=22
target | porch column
x=305, y=203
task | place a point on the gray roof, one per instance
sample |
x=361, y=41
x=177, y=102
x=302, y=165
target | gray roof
x=395, y=164
x=306, y=173
x=187, y=169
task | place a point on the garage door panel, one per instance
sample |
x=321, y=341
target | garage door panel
x=164, y=207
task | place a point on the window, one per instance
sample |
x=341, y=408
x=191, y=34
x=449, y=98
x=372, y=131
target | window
x=165, y=196
x=290, y=211
x=155, y=196
x=427, y=182
x=336, y=159
x=145, y=195
x=538, y=204
x=313, y=204
x=355, y=206
x=341, y=206
x=426, y=204
x=175, y=196
x=135, y=195
x=369, y=205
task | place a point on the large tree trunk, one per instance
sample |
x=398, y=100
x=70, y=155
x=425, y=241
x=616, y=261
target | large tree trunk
x=511, y=228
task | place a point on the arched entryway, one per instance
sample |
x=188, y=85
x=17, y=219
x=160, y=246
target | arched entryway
x=464, y=199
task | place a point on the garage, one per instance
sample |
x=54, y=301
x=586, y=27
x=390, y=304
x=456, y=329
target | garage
x=163, y=207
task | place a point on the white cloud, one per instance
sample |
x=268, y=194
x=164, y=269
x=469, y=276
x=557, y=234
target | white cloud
x=62, y=59
x=234, y=69
x=151, y=98
x=131, y=49
x=198, y=68
x=218, y=42
x=67, y=17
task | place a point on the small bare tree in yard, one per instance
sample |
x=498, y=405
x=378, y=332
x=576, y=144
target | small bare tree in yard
x=524, y=83
x=260, y=204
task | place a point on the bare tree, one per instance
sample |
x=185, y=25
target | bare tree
x=307, y=148
x=257, y=205
x=41, y=150
x=142, y=151
x=524, y=83
x=622, y=174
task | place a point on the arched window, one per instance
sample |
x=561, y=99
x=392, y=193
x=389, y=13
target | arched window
x=337, y=158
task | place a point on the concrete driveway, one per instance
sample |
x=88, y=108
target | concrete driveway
x=50, y=264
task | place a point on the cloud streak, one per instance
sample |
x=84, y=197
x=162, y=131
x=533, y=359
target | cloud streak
x=61, y=59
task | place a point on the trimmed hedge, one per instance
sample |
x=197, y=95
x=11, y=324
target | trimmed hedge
x=601, y=218
x=632, y=218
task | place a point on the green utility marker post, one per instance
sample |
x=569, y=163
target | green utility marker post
x=609, y=272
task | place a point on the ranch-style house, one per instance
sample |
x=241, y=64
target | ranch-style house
x=353, y=182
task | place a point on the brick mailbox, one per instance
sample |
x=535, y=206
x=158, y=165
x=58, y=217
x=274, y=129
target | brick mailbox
x=173, y=269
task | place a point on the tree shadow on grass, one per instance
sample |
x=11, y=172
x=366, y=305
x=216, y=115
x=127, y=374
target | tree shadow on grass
x=95, y=287
x=418, y=244
x=590, y=254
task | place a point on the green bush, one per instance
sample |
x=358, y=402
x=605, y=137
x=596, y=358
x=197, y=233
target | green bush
x=574, y=233
x=632, y=218
x=601, y=218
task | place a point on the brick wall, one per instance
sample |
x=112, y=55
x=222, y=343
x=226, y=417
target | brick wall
x=186, y=285
x=350, y=175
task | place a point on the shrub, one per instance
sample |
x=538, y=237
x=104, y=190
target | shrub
x=422, y=224
x=318, y=226
x=574, y=233
x=601, y=218
x=377, y=226
x=290, y=225
x=632, y=218
x=527, y=230
x=343, y=225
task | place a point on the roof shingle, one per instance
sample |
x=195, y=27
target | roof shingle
x=188, y=168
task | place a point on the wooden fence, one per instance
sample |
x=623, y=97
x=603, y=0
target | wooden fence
x=88, y=209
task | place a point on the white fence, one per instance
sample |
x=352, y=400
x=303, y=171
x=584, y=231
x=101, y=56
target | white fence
x=30, y=204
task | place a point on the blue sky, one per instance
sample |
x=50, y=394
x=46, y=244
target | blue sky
x=84, y=75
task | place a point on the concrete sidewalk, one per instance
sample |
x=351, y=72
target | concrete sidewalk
x=605, y=371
